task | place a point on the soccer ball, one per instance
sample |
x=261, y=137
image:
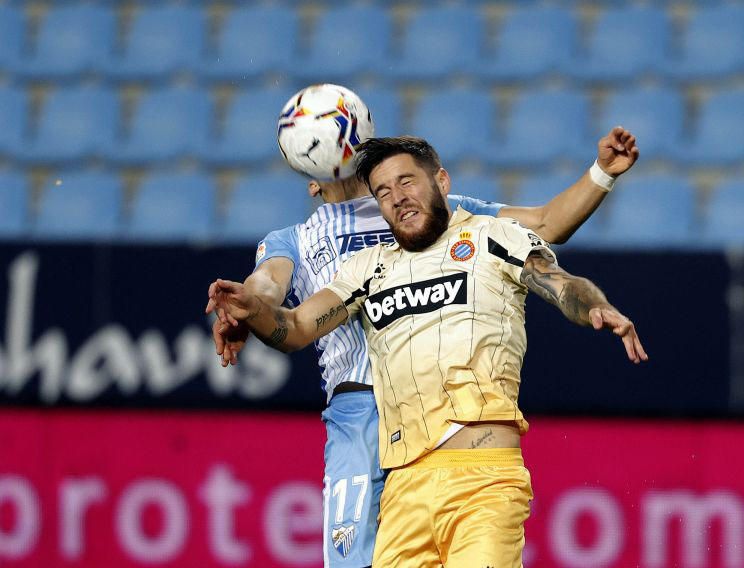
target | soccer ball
x=320, y=128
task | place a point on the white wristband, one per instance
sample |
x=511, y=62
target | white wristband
x=604, y=180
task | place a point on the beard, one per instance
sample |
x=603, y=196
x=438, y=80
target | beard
x=437, y=221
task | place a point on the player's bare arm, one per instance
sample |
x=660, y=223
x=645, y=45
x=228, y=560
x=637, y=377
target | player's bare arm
x=580, y=300
x=270, y=282
x=281, y=328
x=558, y=219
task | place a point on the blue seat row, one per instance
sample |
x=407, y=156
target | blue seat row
x=168, y=207
x=540, y=126
x=437, y=41
x=646, y=210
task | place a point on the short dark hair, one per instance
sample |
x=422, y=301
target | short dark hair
x=375, y=150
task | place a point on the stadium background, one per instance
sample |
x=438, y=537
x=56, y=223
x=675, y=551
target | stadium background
x=138, y=162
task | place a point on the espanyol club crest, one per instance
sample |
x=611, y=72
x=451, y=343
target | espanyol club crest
x=343, y=537
x=462, y=250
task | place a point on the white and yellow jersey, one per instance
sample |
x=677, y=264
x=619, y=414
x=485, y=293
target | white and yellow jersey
x=445, y=329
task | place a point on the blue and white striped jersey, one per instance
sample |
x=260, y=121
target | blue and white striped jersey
x=317, y=247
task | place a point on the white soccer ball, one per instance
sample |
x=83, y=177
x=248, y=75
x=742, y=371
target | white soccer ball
x=320, y=129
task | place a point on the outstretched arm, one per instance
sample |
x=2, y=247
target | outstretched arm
x=560, y=217
x=579, y=300
x=270, y=282
x=280, y=328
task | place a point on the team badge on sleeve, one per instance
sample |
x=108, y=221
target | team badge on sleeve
x=462, y=250
x=260, y=251
x=343, y=538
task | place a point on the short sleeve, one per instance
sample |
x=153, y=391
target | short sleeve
x=282, y=242
x=513, y=243
x=475, y=206
x=351, y=282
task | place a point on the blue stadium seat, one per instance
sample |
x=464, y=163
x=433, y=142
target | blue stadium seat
x=253, y=41
x=724, y=219
x=72, y=40
x=346, y=40
x=14, y=202
x=531, y=42
x=248, y=134
x=718, y=139
x=537, y=190
x=265, y=202
x=458, y=123
x=162, y=40
x=173, y=207
x=12, y=30
x=167, y=124
x=544, y=126
x=655, y=116
x=438, y=42
x=75, y=123
x=13, y=120
x=385, y=106
x=647, y=31
x=712, y=45
x=651, y=211
x=80, y=205
x=480, y=186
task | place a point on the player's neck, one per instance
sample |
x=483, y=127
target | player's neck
x=343, y=190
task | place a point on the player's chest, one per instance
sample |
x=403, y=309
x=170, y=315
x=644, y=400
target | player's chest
x=444, y=275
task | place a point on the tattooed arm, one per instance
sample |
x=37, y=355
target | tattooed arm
x=580, y=300
x=280, y=328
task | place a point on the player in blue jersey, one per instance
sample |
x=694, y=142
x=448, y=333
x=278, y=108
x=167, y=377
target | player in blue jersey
x=295, y=262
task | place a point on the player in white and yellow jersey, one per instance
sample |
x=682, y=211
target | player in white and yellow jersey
x=443, y=313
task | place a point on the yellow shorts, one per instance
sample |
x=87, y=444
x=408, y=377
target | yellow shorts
x=455, y=508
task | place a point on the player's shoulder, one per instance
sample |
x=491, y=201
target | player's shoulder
x=285, y=233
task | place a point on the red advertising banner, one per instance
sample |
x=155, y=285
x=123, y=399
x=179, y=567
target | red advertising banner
x=95, y=489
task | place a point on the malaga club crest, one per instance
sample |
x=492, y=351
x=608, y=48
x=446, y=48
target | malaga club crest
x=462, y=250
x=343, y=537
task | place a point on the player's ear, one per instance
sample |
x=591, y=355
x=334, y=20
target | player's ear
x=313, y=188
x=443, y=181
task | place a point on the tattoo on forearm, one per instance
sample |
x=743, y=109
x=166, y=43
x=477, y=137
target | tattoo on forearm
x=486, y=437
x=328, y=316
x=574, y=296
x=279, y=334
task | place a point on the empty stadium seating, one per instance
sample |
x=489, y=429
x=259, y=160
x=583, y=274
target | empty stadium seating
x=262, y=203
x=718, y=139
x=531, y=42
x=724, y=220
x=347, y=40
x=80, y=205
x=252, y=41
x=248, y=132
x=13, y=120
x=543, y=127
x=508, y=88
x=72, y=40
x=712, y=45
x=167, y=124
x=14, y=204
x=75, y=123
x=651, y=211
x=643, y=32
x=173, y=207
x=458, y=123
x=163, y=39
x=480, y=186
x=656, y=116
x=438, y=42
